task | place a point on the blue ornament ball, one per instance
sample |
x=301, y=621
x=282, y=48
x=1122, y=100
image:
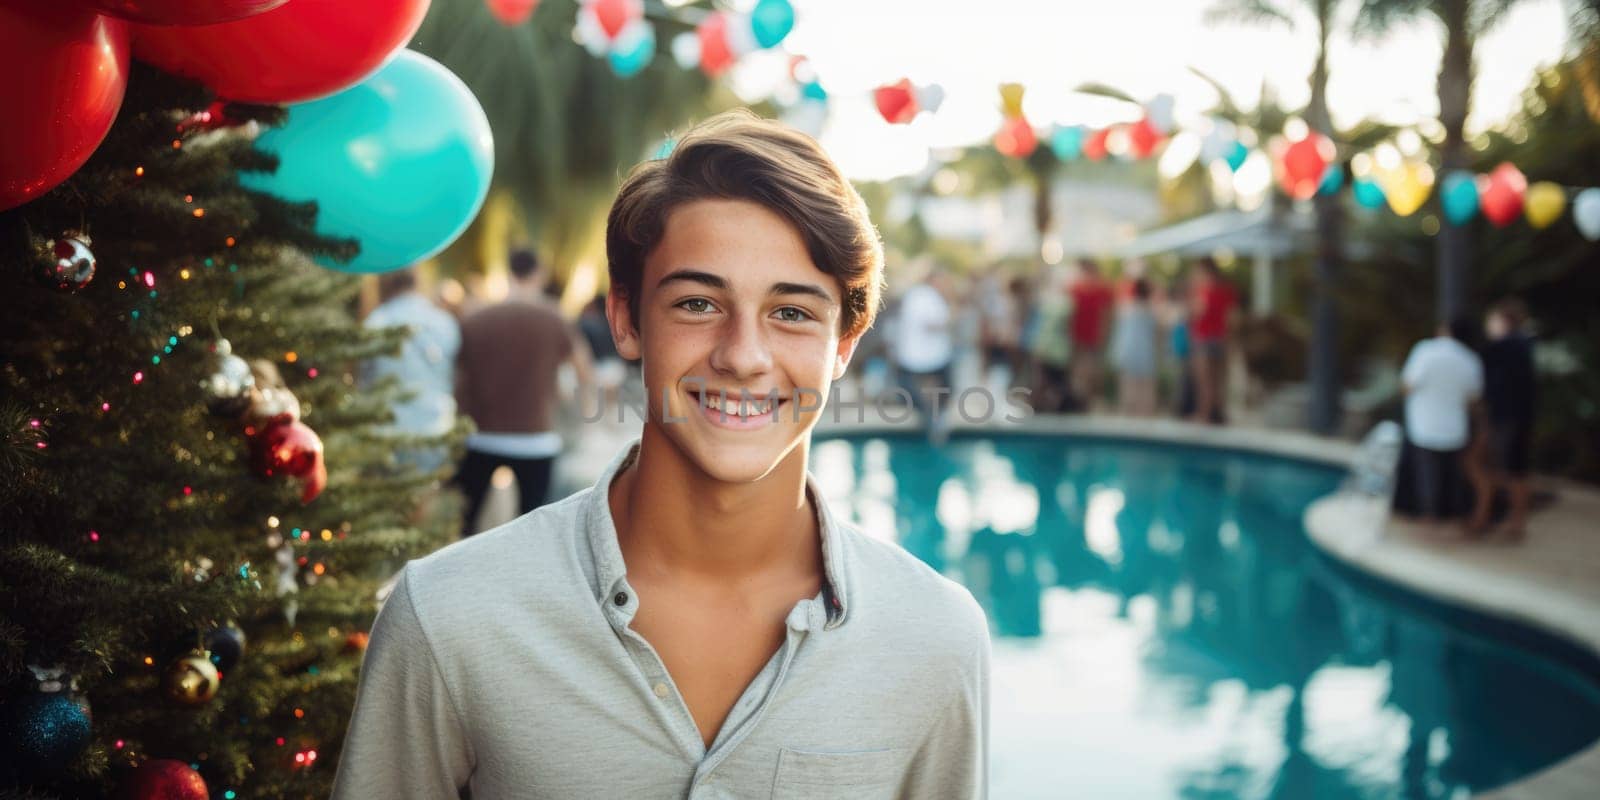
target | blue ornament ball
x=226, y=644
x=46, y=730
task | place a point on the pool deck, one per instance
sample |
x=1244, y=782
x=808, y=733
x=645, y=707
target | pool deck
x=1550, y=582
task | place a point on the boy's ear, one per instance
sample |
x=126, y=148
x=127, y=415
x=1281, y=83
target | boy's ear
x=624, y=329
x=847, y=349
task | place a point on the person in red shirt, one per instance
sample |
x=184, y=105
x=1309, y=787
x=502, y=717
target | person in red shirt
x=1092, y=298
x=1211, y=303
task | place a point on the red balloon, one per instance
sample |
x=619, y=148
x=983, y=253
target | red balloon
x=1143, y=138
x=184, y=12
x=164, y=779
x=614, y=15
x=714, y=53
x=1501, y=198
x=1304, y=164
x=1016, y=138
x=897, y=102
x=68, y=68
x=1094, y=147
x=300, y=51
x=512, y=12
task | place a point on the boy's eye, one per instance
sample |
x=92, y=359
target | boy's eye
x=696, y=305
x=792, y=314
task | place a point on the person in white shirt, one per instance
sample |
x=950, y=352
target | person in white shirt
x=925, y=345
x=1442, y=379
x=422, y=368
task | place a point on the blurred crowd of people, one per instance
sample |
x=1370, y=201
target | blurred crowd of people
x=1077, y=340
x=1063, y=334
x=499, y=364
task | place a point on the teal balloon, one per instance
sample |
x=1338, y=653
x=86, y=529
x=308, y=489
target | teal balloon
x=400, y=162
x=771, y=21
x=1068, y=142
x=632, y=53
x=1367, y=193
x=1459, y=196
x=1236, y=155
x=1332, y=179
x=665, y=149
x=813, y=91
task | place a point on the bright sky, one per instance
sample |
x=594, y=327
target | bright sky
x=1143, y=47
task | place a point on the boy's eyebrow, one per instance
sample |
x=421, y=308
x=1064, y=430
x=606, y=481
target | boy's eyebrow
x=801, y=288
x=716, y=282
x=693, y=276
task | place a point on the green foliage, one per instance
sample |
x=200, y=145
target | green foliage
x=139, y=525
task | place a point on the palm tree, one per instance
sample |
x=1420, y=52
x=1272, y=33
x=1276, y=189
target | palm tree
x=1461, y=22
x=1323, y=414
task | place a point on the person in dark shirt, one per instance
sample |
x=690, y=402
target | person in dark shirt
x=1509, y=403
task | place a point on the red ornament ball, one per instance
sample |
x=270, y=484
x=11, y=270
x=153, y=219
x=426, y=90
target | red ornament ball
x=164, y=779
x=286, y=448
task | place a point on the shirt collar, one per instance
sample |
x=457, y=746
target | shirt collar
x=610, y=569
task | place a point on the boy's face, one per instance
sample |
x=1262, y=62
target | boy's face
x=730, y=300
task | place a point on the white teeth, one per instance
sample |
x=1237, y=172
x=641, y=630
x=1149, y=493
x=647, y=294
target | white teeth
x=736, y=407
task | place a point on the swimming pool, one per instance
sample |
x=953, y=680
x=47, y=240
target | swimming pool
x=1164, y=630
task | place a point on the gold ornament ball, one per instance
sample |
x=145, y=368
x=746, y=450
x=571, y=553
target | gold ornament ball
x=192, y=680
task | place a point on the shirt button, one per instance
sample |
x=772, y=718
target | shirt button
x=621, y=599
x=661, y=690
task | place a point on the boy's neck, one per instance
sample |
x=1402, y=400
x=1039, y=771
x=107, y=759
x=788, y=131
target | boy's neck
x=675, y=522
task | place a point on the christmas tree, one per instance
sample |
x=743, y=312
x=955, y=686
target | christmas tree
x=180, y=590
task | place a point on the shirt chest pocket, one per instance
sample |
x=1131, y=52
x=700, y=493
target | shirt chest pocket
x=867, y=775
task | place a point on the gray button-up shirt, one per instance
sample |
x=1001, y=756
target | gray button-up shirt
x=505, y=663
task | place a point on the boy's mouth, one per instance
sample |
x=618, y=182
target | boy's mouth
x=736, y=409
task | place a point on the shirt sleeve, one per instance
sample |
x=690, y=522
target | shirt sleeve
x=405, y=737
x=953, y=761
x=1412, y=372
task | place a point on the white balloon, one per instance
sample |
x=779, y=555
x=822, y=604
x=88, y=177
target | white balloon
x=741, y=37
x=1159, y=110
x=1586, y=212
x=686, y=50
x=589, y=33
x=930, y=97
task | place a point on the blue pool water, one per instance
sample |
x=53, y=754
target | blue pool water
x=1164, y=630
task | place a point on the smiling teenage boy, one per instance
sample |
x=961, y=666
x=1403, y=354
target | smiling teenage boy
x=697, y=624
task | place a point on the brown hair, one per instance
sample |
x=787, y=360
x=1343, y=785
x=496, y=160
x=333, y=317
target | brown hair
x=737, y=155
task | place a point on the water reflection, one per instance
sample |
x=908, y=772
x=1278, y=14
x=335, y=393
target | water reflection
x=1163, y=629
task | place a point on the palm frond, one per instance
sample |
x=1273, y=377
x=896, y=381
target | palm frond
x=1102, y=90
x=1227, y=108
x=1249, y=12
x=1377, y=17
